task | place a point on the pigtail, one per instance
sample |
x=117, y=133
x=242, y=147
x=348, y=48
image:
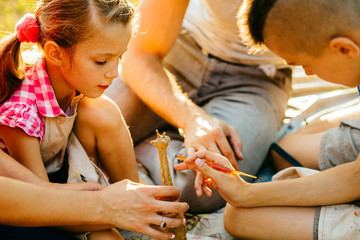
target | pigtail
x=11, y=65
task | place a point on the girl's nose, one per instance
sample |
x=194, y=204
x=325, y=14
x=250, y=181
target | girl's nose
x=113, y=73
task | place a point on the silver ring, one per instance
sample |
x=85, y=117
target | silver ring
x=163, y=223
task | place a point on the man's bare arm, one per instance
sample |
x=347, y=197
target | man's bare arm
x=160, y=24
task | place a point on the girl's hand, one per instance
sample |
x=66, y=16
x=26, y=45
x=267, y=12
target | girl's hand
x=136, y=207
x=227, y=184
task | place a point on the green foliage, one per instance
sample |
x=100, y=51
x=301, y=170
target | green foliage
x=12, y=10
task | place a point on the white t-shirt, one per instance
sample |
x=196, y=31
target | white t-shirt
x=212, y=24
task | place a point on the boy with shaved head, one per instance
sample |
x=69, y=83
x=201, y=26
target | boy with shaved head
x=323, y=36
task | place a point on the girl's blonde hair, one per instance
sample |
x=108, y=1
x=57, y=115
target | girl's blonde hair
x=66, y=22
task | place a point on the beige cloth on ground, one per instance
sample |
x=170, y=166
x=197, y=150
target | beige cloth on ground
x=336, y=222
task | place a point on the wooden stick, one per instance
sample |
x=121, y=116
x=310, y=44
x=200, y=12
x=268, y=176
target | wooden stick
x=223, y=169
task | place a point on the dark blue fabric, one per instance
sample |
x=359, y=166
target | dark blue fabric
x=285, y=155
x=29, y=233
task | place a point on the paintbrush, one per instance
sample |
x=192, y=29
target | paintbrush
x=223, y=169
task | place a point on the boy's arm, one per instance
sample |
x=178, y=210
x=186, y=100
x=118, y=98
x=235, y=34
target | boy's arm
x=332, y=186
x=161, y=21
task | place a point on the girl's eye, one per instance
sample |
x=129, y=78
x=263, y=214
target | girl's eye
x=100, y=63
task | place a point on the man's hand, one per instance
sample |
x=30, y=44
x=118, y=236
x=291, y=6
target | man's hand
x=207, y=133
x=136, y=207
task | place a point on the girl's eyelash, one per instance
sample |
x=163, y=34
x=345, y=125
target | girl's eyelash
x=100, y=63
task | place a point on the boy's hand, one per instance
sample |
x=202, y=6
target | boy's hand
x=227, y=184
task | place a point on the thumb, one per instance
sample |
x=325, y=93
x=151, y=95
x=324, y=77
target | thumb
x=205, y=169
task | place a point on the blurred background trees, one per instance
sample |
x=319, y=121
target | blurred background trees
x=12, y=10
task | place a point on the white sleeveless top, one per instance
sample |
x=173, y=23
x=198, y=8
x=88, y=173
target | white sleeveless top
x=212, y=24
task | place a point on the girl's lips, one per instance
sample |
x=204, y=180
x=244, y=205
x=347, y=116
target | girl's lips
x=103, y=87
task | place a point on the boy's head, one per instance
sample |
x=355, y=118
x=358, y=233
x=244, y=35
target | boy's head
x=321, y=35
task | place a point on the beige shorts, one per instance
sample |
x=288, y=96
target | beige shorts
x=334, y=222
x=339, y=222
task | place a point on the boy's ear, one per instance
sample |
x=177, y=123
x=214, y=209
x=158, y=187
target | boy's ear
x=346, y=46
x=53, y=53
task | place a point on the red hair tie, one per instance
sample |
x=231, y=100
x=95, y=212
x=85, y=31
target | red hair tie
x=27, y=29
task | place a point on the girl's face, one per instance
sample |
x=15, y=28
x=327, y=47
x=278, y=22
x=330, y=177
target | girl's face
x=94, y=63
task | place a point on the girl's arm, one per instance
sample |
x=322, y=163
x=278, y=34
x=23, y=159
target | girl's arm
x=25, y=149
x=11, y=168
x=333, y=186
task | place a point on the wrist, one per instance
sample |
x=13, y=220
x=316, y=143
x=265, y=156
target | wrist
x=195, y=115
x=102, y=212
x=244, y=197
x=95, y=210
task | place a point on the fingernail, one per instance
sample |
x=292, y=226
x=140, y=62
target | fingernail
x=198, y=162
x=184, y=221
x=173, y=236
x=198, y=192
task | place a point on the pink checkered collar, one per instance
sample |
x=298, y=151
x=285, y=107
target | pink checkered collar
x=43, y=90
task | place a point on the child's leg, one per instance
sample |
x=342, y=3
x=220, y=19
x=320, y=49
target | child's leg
x=132, y=107
x=110, y=234
x=270, y=222
x=105, y=137
x=304, y=147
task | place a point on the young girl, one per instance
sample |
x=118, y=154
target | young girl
x=61, y=95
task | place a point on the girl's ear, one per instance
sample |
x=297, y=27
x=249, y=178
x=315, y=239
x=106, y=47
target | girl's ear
x=53, y=53
x=345, y=46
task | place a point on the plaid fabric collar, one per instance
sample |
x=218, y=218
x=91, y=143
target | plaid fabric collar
x=44, y=93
